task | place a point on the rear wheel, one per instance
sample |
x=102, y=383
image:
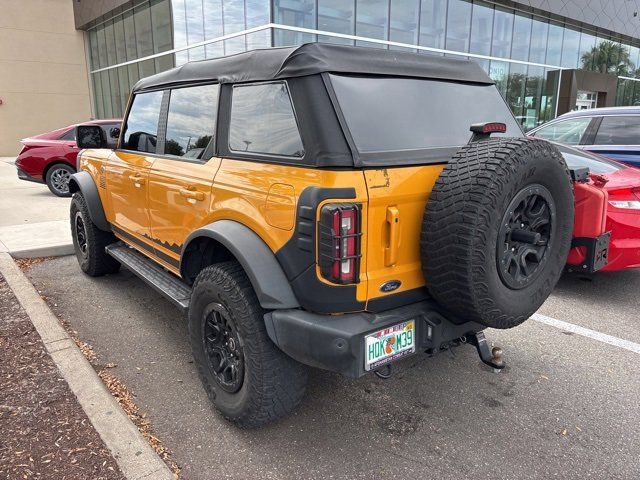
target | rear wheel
x=89, y=241
x=249, y=380
x=57, y=179
x=497, y=230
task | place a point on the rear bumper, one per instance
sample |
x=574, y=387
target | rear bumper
x=22, y=175
x=336, y=342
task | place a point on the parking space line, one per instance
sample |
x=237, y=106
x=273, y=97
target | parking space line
x=586, y=332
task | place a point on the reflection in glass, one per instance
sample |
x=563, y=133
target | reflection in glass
x=481, y=28
x=458, y=25
x=141, y=129
x=234, y=21
x=111, y=43
x=538, y=42
x=262, y=121
x=554, y=44
x=587, y=43
x=433, y=22
x=502, y=33
x=179, y=30
x=336, y=16
x=144, y=40
x=195, y=28
x=121, y=47
x=521, y=38
x=299, y=13
x=372, y=19
x=191, y=120
x=499, y=72
x=162, y=39
x=570, y=48
x=130, y=35
x=213, y=27
x=404, y=22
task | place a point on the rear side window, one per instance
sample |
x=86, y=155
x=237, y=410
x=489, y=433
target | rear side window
x=141, y=129
x=619, y=131
x=69, y=136
x=568, y=131
x=191, y=121
x=263, y=121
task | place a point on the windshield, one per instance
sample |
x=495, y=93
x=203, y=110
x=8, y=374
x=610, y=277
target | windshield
x=579, y=159
x=392, y=114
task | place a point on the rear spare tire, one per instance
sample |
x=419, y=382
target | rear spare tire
x=497, y=230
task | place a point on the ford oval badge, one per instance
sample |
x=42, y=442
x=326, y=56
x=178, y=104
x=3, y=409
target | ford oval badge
x=390, y=286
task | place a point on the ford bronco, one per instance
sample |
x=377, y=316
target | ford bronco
x=327, y=206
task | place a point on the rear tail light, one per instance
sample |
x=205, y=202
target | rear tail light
x=339, y=242
x=628, y=198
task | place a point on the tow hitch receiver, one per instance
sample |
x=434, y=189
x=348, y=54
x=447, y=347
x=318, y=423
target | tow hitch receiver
x=489, y=356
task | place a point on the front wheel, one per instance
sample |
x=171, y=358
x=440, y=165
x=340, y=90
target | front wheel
x=249, y=380
x=57, y=179
x=89, y=241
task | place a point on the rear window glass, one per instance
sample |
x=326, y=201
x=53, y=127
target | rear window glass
x=262, y=121
x=141, y=128
x=396, y=114
x=619, y=131
x=69, y=136
x=191, y=120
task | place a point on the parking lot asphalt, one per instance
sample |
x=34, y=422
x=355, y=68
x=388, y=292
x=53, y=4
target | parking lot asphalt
x=566, y=406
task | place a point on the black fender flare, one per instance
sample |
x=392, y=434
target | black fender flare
x=83, y=182
x=258, y=261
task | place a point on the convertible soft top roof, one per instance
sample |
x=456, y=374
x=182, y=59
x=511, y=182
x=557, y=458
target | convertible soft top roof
x=313, y=58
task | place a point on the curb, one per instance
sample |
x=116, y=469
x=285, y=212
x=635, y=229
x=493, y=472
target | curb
x=59, y=250
x=135, y=457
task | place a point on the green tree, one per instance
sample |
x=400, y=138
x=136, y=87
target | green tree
x=608, y=57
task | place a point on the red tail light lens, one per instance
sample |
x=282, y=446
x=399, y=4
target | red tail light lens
x=339, y=243
x=626, y=198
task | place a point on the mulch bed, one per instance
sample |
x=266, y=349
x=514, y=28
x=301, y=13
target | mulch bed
x=44, y=433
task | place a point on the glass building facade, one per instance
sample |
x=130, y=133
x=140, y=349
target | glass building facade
x=522, y=52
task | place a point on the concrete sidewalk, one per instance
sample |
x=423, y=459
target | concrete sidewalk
x=33, y=221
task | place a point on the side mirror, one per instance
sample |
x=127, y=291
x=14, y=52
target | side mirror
x=114, y=132
x=90, y=136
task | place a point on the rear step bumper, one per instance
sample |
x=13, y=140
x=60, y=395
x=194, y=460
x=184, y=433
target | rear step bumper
x=337, y=342
x=154, y=275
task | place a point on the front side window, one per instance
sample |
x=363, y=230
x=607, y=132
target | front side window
x=262, y=121
x=141, y=128
x=568, y=131
x=191, y=121
x=619, y=131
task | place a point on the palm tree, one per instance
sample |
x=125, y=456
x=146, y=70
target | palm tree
x=608, y=57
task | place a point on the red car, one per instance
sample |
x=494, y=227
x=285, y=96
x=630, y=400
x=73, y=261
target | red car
x=619, y=186
x=51, y=157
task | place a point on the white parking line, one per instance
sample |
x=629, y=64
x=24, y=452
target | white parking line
x=586, y=332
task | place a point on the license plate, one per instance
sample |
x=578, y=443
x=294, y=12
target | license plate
x=387, y=345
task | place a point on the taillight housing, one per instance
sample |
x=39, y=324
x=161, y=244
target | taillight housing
x=339, y=235
x=627, y=198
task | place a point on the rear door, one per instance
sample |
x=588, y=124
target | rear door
x=180, y=179
x=127, y=171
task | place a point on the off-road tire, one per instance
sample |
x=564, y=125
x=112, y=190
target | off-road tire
x=53, y=181
x=273, y=383
x=94, y=261
x=462, y=220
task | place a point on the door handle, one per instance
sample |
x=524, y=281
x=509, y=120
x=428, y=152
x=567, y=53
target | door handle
x=193, y=194
x=137, y=179
x=391, y=252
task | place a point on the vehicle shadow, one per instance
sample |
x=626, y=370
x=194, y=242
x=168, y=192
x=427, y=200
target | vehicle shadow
x=610, y=286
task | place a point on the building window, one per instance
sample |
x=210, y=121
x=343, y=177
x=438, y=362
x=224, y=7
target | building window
x=372, y=21
x=458, y=25
x=336, y=16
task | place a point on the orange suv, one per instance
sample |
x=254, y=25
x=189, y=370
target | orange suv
x=324, y=206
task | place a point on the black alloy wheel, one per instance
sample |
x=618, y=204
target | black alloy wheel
x=81, y=233
x=525, y=236
x=223, y=348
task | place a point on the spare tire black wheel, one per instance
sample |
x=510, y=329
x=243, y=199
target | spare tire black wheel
x=497, y=229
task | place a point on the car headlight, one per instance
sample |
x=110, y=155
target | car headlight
x=627, y=204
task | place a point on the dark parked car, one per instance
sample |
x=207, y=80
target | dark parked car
x=613, y=132
x=51, y=157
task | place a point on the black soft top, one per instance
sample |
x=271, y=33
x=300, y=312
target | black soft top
x=314, y=58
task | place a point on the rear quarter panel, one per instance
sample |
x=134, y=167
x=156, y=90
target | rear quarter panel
x=93, y=161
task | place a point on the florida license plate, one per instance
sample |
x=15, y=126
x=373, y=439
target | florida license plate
x=387, y=345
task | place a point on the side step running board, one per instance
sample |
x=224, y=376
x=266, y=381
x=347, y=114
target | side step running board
x=154, y=275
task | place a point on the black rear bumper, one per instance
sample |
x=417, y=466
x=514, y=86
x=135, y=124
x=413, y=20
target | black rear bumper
x=22, y=175
x=336, y=342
